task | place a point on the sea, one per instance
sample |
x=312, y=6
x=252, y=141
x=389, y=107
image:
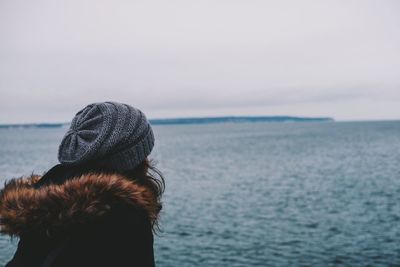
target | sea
x=258, y=194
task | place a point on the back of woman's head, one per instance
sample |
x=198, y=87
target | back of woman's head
x=108, y=138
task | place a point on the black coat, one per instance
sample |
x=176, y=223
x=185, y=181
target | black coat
x=94, y=220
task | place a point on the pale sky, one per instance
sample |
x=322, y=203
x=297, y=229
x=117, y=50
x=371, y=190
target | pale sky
x=181, y=58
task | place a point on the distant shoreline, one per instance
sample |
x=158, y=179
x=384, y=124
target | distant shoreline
x=202, y=120
x=237, y=119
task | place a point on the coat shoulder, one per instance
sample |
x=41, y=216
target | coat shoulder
x=123, y=237
x=92, y=220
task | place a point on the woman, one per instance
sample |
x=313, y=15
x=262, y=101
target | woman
x=99, y=206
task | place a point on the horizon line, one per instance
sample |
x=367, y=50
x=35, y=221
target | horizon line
x=288, y=117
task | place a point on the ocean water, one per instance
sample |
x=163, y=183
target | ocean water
x=260, y=194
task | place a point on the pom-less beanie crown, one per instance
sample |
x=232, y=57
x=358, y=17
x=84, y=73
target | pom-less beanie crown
x=113, y=134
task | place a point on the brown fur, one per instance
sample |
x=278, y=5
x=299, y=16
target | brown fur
x=55, y=207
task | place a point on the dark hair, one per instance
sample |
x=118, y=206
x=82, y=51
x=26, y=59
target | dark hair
x=145, y=174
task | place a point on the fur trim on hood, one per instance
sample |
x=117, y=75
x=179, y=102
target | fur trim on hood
x=53, y=207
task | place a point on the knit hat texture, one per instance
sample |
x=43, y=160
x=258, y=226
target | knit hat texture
x=113, y=134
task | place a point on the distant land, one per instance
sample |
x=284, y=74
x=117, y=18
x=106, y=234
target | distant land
x=234, y=119
x=204, y=120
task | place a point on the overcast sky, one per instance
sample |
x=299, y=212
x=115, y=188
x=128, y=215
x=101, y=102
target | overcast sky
x=338, y=58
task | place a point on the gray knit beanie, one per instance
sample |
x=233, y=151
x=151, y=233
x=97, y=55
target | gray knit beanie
x=112, y=134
